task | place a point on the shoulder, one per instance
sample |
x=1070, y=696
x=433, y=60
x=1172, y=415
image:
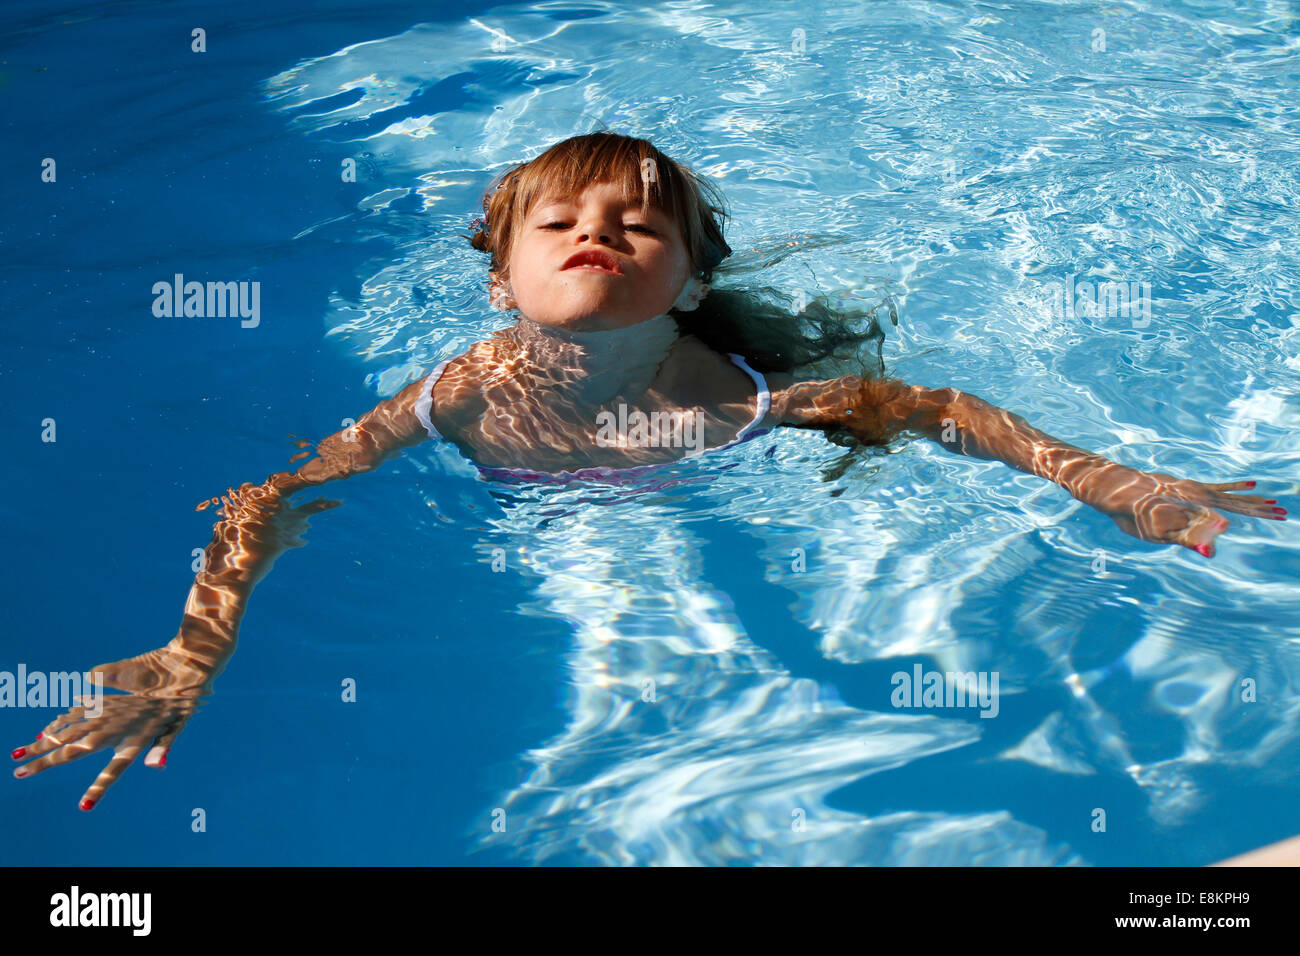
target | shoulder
x=442, y=395
x=699, y=375
x=698, y=369
x=458, y=395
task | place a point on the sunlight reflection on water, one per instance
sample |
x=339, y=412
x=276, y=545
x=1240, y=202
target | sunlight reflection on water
x=966, y=162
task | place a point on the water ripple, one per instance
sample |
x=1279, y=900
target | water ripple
x=967, y=159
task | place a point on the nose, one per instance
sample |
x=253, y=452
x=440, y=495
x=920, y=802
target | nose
x=598, y=228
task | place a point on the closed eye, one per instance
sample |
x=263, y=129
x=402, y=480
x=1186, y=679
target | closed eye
x=631, y=227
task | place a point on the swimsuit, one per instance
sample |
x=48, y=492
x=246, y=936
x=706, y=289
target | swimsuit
x=424, y=405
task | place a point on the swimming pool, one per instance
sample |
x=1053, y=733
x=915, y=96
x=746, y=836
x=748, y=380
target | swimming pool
x=702, y=669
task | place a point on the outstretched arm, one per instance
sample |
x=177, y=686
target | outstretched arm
x=257, y=525
x=1151, y=506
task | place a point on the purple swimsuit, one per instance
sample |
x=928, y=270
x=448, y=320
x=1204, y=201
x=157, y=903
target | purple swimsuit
x=424, y=405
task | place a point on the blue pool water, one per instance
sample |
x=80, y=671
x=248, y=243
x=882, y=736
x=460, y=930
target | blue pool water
x=953, y=160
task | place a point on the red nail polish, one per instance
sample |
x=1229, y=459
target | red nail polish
x=87, y=804
x=1203, y=549
x=1270, y=501
x=1279, y=511
x=1250, y=484
x=162, y=761
x=40, y=735
x=20, y=773
x=18, y=754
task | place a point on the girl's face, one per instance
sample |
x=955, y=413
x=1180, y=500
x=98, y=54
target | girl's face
x=592, y=261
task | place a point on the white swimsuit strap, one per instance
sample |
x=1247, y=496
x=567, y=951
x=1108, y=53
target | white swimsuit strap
x=424, y=404
x=762, y=405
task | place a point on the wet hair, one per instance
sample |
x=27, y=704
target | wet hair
x=824, y=339
x=815, y=341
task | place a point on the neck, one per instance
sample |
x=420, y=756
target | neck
x=596, y=366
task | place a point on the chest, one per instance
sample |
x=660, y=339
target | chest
x=512, y=425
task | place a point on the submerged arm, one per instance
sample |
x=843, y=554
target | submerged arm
x=1150, y=506
x=257, y=525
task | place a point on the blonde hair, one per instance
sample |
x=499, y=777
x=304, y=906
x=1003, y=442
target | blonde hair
x=571, y=165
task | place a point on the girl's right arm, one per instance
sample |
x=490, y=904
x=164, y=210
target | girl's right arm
x=257, y=525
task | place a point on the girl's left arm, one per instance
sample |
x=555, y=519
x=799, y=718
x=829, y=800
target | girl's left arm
x=1151, y=506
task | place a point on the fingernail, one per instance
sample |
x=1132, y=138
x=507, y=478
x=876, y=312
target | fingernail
x=18, y=754
x=1279, y=511
x=87, y=804
x=1203, y=549
x=1270, y=501
x=1250, y=484
x=20, y=772
x=40, y=735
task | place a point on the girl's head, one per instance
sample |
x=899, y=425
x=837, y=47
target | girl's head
x=600, y=231
x=662, y=225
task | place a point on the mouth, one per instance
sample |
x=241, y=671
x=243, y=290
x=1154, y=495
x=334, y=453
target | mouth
x=593, y=259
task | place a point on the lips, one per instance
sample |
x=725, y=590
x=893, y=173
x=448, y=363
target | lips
x=593, y=259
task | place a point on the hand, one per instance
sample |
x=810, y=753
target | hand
x=163, y=688
x=1162, y=508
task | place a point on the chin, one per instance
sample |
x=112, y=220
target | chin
x=587, y=317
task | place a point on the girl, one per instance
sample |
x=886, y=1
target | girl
x=621, y=363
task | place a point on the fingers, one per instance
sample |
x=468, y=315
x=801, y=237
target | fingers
x=76, y=735
x=1183, y=514
x=123, y=757
x=1251, y=505
x=59, y=733
x=157, y=755
x=62, y=752
x=1175, y=521
x=1219, y=496
x=1246, y=505
x=59, y=725
x=1199, y=535
x=130, y=725
x=1231, y=486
